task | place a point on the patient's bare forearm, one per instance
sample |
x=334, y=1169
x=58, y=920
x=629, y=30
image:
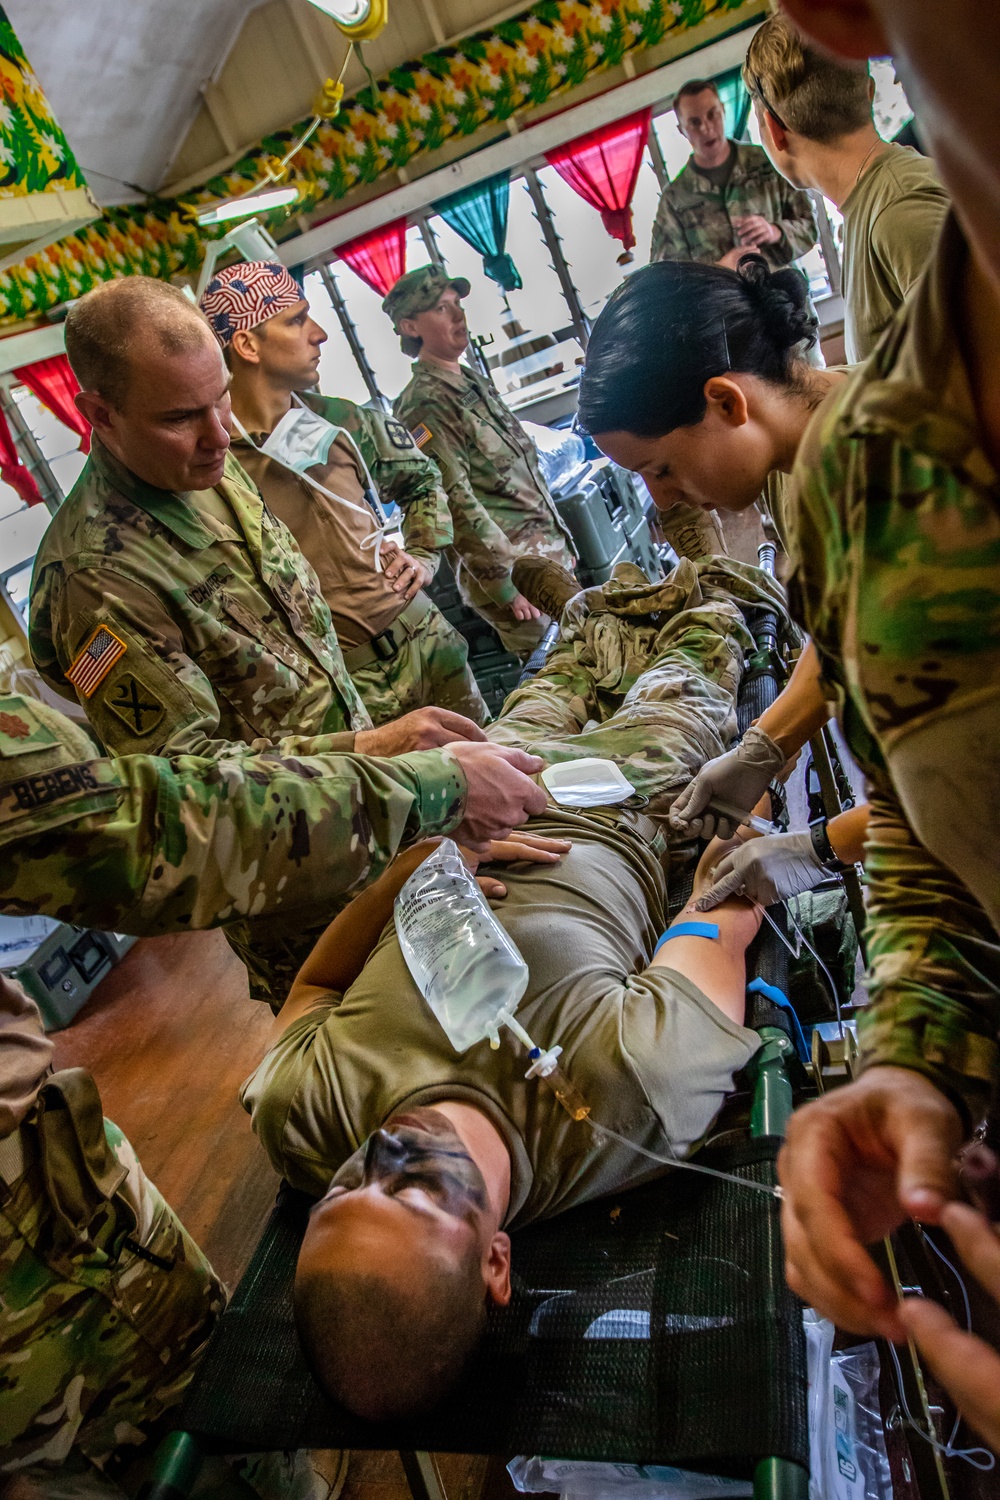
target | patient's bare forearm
x=846, y=833
x=716, y=965
x=801, y=710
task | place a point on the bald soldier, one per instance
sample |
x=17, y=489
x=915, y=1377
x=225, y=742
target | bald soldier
x=167, y=597
x=332, y=472
x=500, y=504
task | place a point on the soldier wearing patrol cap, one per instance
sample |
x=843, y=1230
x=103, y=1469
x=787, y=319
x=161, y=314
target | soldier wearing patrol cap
x=500, y=505
x=335, y=472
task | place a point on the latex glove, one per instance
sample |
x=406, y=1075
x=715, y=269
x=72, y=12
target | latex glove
x=766, y=870
x=741, y=776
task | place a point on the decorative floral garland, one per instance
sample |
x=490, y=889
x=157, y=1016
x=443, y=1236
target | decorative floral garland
x=35, y=156
x=452, y=92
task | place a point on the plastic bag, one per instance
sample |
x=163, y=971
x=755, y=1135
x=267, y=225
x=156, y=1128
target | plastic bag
x=461, y=959
x=578, y=1480
x=848, y=1459
x=587, y=782
x=562, y=454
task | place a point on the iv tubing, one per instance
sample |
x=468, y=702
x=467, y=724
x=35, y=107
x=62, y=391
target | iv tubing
x=666, y=1161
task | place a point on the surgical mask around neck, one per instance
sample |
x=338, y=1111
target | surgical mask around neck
x=302, y=441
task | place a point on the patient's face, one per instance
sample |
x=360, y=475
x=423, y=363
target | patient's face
x=412, y=1191
x=419, y=1154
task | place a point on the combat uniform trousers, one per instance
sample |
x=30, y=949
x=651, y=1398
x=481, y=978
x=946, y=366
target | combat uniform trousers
x=420, y=660
x=645, y=675
x=520, y=637
x=106, y=1303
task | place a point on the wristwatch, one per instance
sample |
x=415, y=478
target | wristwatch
x=823, y=849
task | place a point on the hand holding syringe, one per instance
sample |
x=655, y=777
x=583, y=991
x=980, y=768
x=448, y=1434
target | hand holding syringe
x=737, y=815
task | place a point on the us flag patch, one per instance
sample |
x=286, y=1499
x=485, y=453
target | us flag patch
x=95, y=661
x=421, y=435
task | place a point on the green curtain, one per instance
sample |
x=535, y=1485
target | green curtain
x=736, y=102
x=479, y=215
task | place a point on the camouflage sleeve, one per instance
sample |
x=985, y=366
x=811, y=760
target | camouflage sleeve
x=155, y=660
x=797, y=222
x=934, y=958
x=409, y=478
x=669, y=242
x=181, y=844
x=478, y=540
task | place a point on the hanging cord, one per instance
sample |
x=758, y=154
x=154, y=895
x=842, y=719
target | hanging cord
x=795, y=949
x=979, y=1458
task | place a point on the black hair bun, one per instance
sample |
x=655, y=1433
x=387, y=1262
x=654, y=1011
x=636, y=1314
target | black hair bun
x=783, y=298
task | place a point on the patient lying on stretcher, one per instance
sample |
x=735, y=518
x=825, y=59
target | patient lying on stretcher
x=427, y=1157
x=424, y=1158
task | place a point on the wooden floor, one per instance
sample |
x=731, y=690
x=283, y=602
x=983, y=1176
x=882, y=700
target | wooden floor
x=169, y=1036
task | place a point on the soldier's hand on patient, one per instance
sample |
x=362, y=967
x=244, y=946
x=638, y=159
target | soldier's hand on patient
x=500, y=794
x=968, y=1368
x=423, y=729
x=856, y=1164
x=530, y=848
x=408, y=575
x=741, y=777
x=766, y=870
x=521, y=609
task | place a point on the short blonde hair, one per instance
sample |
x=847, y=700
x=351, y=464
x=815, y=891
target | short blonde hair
x=103, y=326
x=813, y=95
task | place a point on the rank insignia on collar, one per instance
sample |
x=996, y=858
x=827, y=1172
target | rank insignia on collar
x=90, y=667
x=136, y=705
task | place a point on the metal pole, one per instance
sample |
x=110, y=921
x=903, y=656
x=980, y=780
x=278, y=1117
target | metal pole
x=32, y=457
x=578, y=317
x=828, y=244
x=832, y=805
x=657, y=158
x=351, y=334
x=430, y=240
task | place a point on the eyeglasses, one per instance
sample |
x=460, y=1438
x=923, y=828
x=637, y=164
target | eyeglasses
x=757, y=90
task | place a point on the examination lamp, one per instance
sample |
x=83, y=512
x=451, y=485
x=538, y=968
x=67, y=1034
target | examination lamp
x=239, y=208
x=361, y=20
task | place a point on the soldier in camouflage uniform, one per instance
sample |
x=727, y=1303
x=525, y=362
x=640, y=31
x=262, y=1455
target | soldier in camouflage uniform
x=500, y=504
x=148, y=845
x=185, y=618
x=398, y=648
x=105, y=1300
x=722, y=202
x=896, y=535
x=652, y=669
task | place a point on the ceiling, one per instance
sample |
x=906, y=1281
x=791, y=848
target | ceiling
x=174, y=89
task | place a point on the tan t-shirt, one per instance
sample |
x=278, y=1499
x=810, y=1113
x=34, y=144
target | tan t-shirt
x=361, y=601
x=891, y=222
x=652, y=1055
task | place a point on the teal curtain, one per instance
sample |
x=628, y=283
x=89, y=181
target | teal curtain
x=479, y=215
x=736, y=102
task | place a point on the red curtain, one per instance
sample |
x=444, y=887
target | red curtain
x=12, y=470
x=55, y=385
x=603, y=167
x=378, y=258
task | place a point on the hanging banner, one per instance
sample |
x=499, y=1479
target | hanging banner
x=521, y=63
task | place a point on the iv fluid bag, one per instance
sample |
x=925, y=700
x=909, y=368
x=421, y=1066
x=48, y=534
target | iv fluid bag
x=461, y=959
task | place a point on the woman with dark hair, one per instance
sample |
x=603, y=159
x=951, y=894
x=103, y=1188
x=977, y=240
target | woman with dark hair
x=695, y=380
